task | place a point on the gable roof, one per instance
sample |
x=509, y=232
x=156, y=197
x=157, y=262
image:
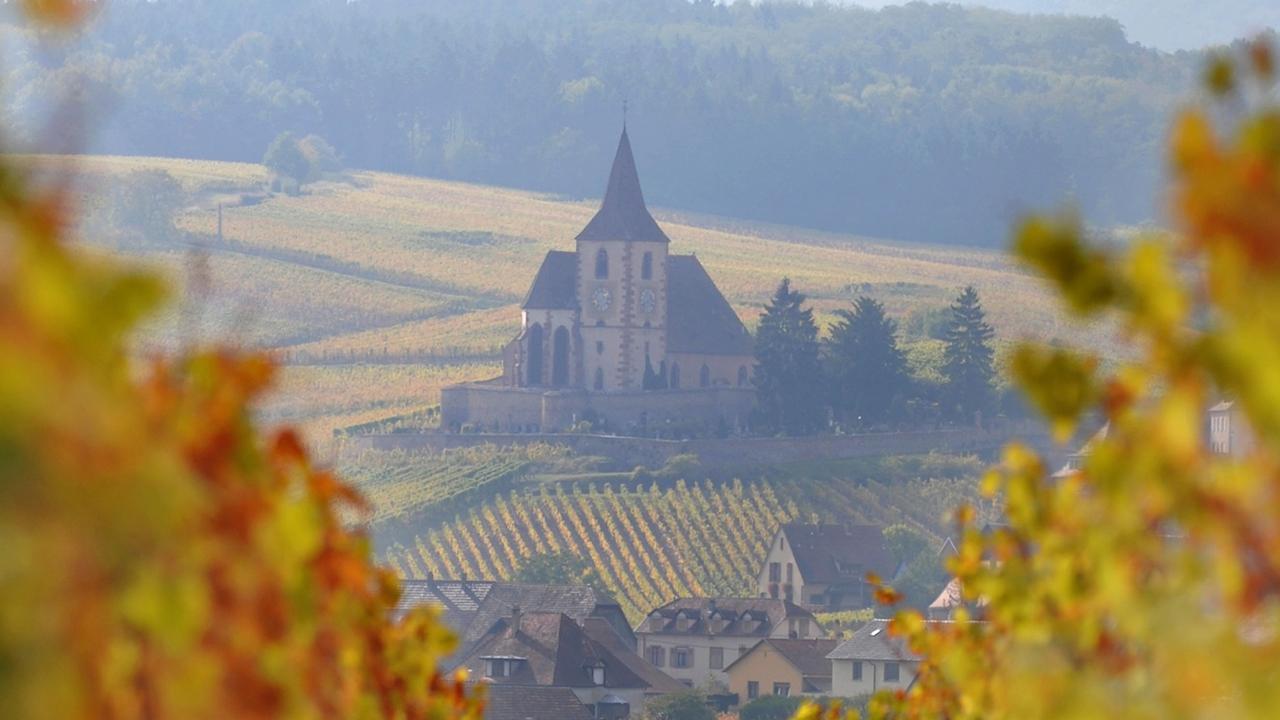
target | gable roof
x=460, y=599
x=829, y=553
x=873, y=642
x=699, y=319
x=808, y=657
x=741, y=617
x=622, y=214
x=555, y=651
x=600, y=631
x=555, y=285
x=578, y=602
x=512, y=702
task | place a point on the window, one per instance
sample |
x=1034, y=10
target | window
x=675, y=376
x=857, y=669
x=704, y=376
x=602, y=264
x=496, y=668
x=804, y=627
x=775, y=572
x=646, y=267
x=782, y=689
x=599, y=383
x=891, y=672
x=717, y=658
x=790, y=572
x=742, y=376
x=782, y=543
x=681, y=657
x=599, y=347
x=753, y=689
x=597, y=674
x=657, y=655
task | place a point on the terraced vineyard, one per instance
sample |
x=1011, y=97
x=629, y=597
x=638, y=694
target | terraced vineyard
x=650, y=545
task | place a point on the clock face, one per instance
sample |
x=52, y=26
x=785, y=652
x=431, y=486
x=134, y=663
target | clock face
x=600, y=299
x=648, y=301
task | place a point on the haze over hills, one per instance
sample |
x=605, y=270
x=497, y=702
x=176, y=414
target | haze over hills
x=933, y=123
x=1165, y=24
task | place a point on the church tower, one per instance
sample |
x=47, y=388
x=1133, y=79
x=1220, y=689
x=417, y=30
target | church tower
x=622, y=284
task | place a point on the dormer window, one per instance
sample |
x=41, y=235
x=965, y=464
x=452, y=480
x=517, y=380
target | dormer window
x=596, y=669
x=602, y=264
x=682, y=623
x=501, y=666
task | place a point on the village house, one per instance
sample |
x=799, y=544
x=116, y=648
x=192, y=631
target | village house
x=824, y=567
x=871, y=661
x=1229, y=432
x=619, y=332
x=694, y=639
x=524, y=702
x=471, y=607
x=550, y=649
x=782, y=667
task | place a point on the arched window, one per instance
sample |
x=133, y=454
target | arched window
x=533, y=363
x=646, y=267
x=602, y=264
x=560, y=358
x=742, y=376
x=599, y=384
x=704, y=376
x=675, y=376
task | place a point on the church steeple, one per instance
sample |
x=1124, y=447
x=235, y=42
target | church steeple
x=622, y=214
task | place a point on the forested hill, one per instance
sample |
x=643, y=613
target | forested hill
x=925, y=122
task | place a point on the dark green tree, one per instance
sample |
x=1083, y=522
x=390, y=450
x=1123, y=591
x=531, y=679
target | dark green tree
x=868, y=370
x=284, y=157
x=558, y=569
x=788, y=373
x=967, y=359
x=687, y=705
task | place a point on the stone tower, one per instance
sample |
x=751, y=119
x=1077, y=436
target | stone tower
x=622, y=284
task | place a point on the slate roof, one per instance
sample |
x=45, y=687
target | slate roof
x=622, y=214
x=808, y=657
x=741, y=617
x=556, y=651
x=555, y=287
x=514, y=702
x=600, y=631
x=873, y=642
x=699, y=319
x=460, y=599
x=830, y=553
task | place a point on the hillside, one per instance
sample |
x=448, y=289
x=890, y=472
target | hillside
x=379, y=289
x=650, y=544
x=930, y=122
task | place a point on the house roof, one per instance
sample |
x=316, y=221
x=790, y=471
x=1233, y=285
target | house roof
x=514, y=702
x=808, y=657
x=459, y=598
x=737, y=617
x=622, y=214
x=556, y=651
x=830, y=553
x=1223, y=406
x=873, y=642
x=555, y=287
x=952, y=596
x=576, y=601
x=600, y=631
x=699, y=319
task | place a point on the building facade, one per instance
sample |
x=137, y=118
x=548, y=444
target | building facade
x=824, y=567
x=871, y=661
x=694, y=639
x=782, y=667
x=619, y=332
x=1229, y=432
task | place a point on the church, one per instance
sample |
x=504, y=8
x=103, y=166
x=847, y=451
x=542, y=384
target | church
x=620, y=333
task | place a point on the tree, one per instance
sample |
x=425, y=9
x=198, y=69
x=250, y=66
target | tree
x=788, y=375
x=904, y=543
x=142, y=206
x=285, y=158
x=1145, y=583
x=868, y=371
x=968, y=356
x=562, y=568
x=163, y=556
x=687, y=705
x=770, y=707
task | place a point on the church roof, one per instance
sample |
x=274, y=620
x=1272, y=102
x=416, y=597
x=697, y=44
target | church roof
x=622, y=214
x=555, y=286
x=699, y=320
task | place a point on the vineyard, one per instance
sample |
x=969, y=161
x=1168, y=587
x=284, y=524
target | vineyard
x=650, y=544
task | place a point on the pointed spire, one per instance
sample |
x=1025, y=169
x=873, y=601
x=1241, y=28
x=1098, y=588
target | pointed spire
x=622, y=214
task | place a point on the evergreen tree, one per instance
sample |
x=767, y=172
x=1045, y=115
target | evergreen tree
x=967, y=360
x=867, y=367
x=788, y=375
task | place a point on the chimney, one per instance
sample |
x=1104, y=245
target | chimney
x=516, y=613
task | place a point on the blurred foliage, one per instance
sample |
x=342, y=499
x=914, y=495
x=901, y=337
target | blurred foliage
x=163, y=557
x=1147, y=584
